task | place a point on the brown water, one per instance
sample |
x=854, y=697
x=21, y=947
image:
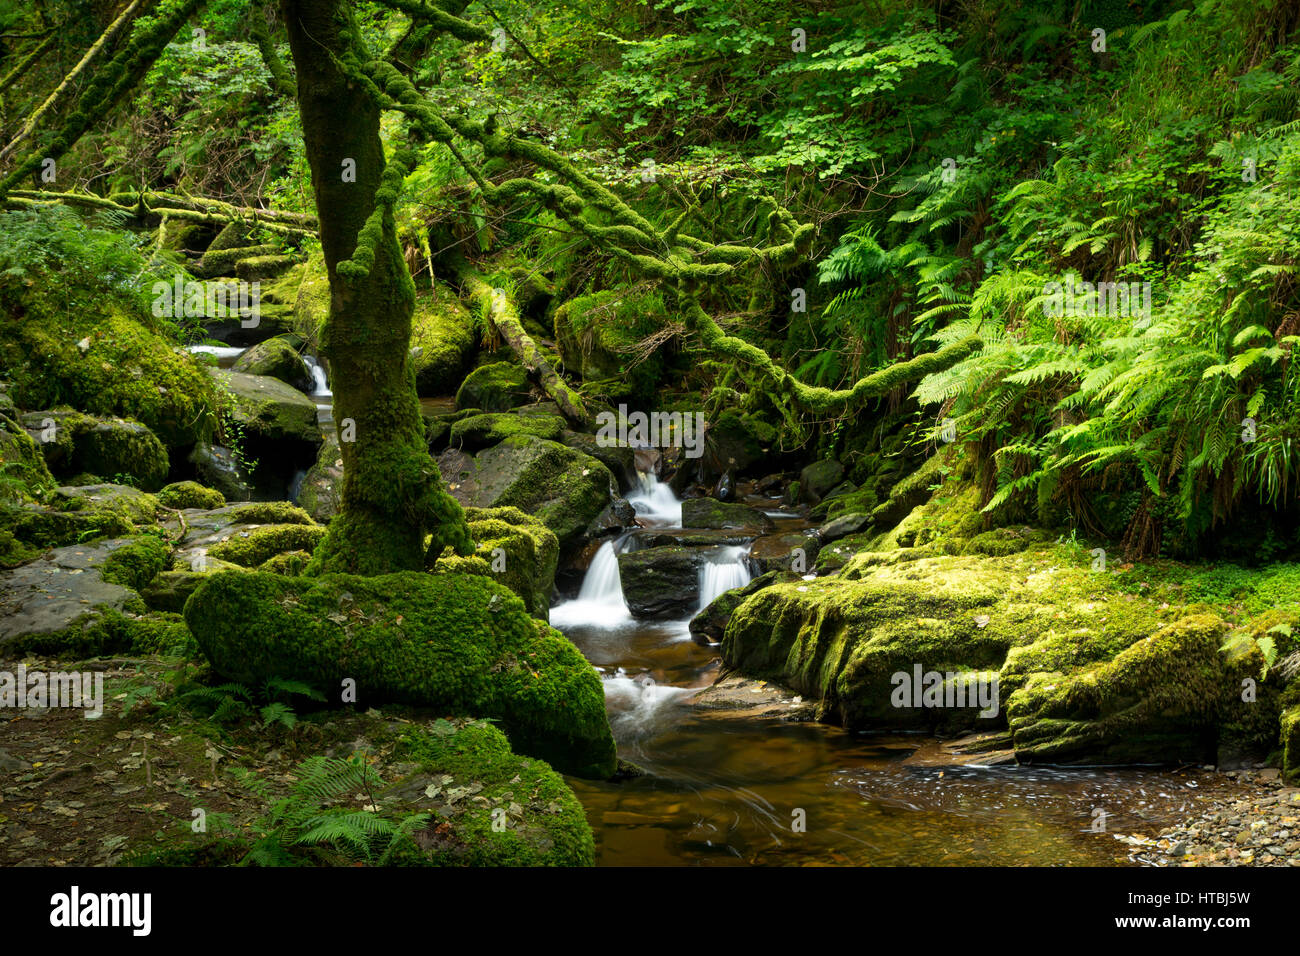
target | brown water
x=727, y=790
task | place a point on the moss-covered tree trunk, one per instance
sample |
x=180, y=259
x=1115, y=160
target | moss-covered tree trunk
x=392, y=493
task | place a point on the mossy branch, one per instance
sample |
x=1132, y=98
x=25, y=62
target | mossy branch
x=818, y=398
x=504, y=314
x=174, y=207
x=282, y=80
x=107, y=86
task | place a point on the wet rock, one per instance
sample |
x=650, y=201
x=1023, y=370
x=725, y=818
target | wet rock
x=322, y=486
x=661, y=582
x=793, y=551
x=844, y=526
x=218, y=468
x=708, y=513
x=819, y=478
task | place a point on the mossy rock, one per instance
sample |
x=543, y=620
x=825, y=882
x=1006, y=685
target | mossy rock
x=1158, y=697
x=619, y=459
x=566, y=489
x=221, y=468
x=1291, y=743
x=460, y=644
x=137, y=563
x=722, y=515
x=495, y=388
x=169, y=590
x=544, y=823
x=595, y=334
x=268, y=407
x=257, y=268
x=257, y=545
x=106, y=361
x=322, y=487
x=443, y=341
x=662, y=581
x=794, y=551
x=78, y=445
x=520, y=552
x=480, y=431
x=291, y=563
x=190, y=494
x=107, y=501
x=278, y=358
x=22, y=463
x=819, y=478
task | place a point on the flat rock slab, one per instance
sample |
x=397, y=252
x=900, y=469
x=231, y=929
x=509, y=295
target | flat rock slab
x=741, y=698
x=51, y=593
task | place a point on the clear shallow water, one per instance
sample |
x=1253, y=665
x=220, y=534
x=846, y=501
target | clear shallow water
x=731, y=790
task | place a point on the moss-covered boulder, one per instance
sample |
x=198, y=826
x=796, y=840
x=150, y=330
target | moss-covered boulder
x=495, y=388
x=619, y=459
x=1291, y=741
x=819, y=478
x=710, y=513
x=220, y=468
x=22, y=463
x=322, y=487
x=443, y=341
x=268, y=407
x=251, y=547
x=520, y=552
x=479, y=431
x=190, y=494
x=1159, y=697
x=459, y=644
x=597, y=335
x=278, y=358
x=114, y=448
x=107, y=361
x=566, y=489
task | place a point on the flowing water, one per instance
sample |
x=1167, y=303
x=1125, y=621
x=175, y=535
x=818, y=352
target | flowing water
x=739, y=790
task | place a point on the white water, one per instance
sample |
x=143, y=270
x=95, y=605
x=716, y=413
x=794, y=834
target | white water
x=220, y=351
x=320, y=383
x=655, y=502
x=636, y=704
x=600, y=600
x=728, y=570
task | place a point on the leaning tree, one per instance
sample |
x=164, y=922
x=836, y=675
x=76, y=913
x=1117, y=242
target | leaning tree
x=393, y=500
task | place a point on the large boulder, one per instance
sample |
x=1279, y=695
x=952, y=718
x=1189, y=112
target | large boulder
x=819, y=478
x=479, y=431
x=598, y=333
x=495, y=388
x=277, y=358
x=566, y=489
x=269, y=408
x=456, y=643
x=77, y=444
x=442, y=342
x=793, y=551
x=661, y=582
x=722, y=515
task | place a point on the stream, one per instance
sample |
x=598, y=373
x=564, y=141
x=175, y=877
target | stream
x=722, y=788
x=732, y=789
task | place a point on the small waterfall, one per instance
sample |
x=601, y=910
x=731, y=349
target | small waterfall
x=728, y=571
x=600, y=600
x=655, y=501
x=320, y=382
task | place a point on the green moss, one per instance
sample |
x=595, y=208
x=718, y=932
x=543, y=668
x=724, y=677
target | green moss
x=545, y=823
x=24, y=475
x=277, y=357
x=1159, y=696
x=479, y=431
x=136, y=564
x=519, y=551
x=1291, y=742
x=270, y=512
x=106, y=361
x=258, y=545
x=495, y=388
x=291, y=563
x=190, y=494
x=14, y=552
x=132, y=630
x=443, y=331
x=460, y=644
x=596, y=335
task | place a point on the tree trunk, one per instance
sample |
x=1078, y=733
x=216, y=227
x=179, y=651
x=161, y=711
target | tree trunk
x=392, y=491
